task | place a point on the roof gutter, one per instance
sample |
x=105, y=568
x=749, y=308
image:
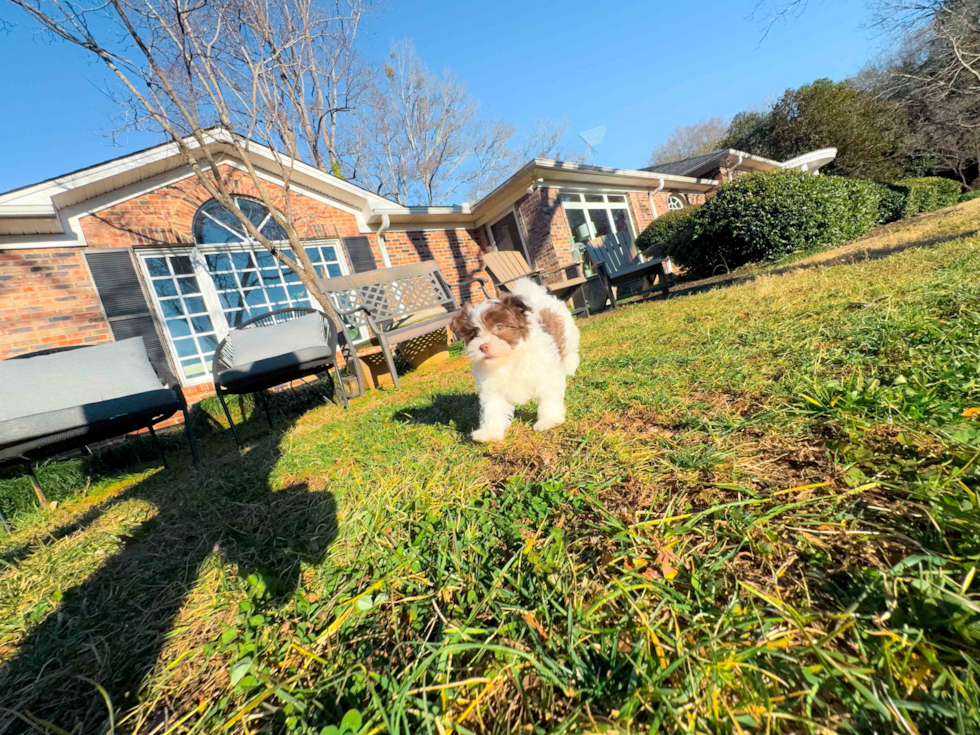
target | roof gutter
x=737, y=164
x=380, y=234
x=653, y=207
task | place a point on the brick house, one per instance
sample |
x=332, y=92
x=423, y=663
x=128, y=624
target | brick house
x=135, y=246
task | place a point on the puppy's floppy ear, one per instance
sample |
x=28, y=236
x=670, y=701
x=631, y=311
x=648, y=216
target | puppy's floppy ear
x=462, y=325
x=514, y=302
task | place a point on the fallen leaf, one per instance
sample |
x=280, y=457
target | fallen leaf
x=651, y=573
x=972, y=413
x=529, y=619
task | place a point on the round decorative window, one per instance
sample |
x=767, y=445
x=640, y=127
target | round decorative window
x=674, y=203
x=213, y=223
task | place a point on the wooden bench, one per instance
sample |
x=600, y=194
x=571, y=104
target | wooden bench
x=616, y=261
x=392, y=304
x=507, y=266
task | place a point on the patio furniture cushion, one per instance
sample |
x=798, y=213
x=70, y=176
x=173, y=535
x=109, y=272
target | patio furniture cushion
x=297, y=360
x=255, y=344
x=149, y=405
x=75, y=379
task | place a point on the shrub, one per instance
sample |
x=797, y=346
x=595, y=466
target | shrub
x=970, y=195
x=672, y=231
x=763, y=216
x=928, y=193
x=891, y=206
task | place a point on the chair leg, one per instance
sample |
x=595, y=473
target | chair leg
x=340, y=386
x=664, y=283
x=386, y=349
x=190, y=435
x=37, y=486
x=156, y=443
x=5, y=524
x=231, y=421
x=265, y=407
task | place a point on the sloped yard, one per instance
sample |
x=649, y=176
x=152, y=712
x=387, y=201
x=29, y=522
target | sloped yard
x=762, y=516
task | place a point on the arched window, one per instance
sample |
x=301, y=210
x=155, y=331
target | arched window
x=674, y=203
x=213, y=223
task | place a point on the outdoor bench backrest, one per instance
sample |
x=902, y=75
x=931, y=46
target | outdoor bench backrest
x=389, y=294
x=505, y=266
x=615, y=250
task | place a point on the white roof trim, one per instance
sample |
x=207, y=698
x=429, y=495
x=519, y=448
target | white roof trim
x=811, y=161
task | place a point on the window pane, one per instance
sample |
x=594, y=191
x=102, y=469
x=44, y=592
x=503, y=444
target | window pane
x=576, y=220
x=329, y=253
x=182, y=265
x=255, y=297
x=188, y=285
x=264, y=259
x=570, y=197
x=290, y=277
x=271, y=277
x=209, y=343
x=593, y=198
x=616, y=198
x=185, y=347
x=242, y=260
x=218, y=262
x=165, y=288
x=249, y=279
x=276, y=295
x=192, y=368
x=171, y=307
x=223, y=281
x=620, y=220
x=157, y=267
x=314, y=254
x=231, y=300
x=202, y=324
x=297, y=292
x=236, y=318
x=195, y=305
x=333, y=270
x=600, y=222
x=178, y=328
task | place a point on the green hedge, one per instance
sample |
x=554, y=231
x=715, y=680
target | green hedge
x=970, y=195
x=764, y=216
x=928, y=193
x=672, y=231
x=891, y=206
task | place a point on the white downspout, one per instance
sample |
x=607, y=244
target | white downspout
x=653, y=207
x=737, y=164
x=382, y=245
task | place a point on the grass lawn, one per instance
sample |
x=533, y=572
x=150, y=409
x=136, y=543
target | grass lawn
x=761, y=516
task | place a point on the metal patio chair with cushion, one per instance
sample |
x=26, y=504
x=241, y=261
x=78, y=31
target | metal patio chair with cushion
x=393, y=305
x=272, y=349
x=616, y=261
x=507, y=266
x=66, y=398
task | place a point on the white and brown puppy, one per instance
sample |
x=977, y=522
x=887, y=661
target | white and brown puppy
x=522, y=347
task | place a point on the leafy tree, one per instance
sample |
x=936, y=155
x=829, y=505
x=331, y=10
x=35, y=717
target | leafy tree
x=750, y=132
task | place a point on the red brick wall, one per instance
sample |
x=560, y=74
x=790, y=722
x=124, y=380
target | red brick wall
x=165, y=216
x=639, y=203
x=456, y=251
x=47, y=300
x=546, y=232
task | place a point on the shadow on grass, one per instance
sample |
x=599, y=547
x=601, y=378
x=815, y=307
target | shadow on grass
x=111, y=627
x=460, y=411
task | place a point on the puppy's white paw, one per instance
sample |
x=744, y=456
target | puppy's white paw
x=545, y=424
x=487, y=435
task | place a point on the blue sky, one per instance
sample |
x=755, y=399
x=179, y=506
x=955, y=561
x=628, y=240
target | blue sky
x=639, y=68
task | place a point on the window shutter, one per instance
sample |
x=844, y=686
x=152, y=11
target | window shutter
x=359, y=254
x=124, y=302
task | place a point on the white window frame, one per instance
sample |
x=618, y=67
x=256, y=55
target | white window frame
x=677, y=198
x=208, y=291
x=604, y=204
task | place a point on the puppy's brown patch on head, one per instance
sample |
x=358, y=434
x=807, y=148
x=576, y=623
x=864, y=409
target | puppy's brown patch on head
x=463, y=326
x=554, y=327
x=507, y=320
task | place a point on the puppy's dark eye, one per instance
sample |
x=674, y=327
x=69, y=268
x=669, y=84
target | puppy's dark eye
x=499, y=328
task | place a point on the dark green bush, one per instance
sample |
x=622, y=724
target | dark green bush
x=970, y=195
x=928, y=193
x=671, y=231
x=891, y=206
x=763, y=216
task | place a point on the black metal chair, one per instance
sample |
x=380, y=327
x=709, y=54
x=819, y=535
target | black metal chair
x=51, y=403
x=275, y=348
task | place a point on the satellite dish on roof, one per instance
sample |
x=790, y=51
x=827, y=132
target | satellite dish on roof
x=592, y=138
